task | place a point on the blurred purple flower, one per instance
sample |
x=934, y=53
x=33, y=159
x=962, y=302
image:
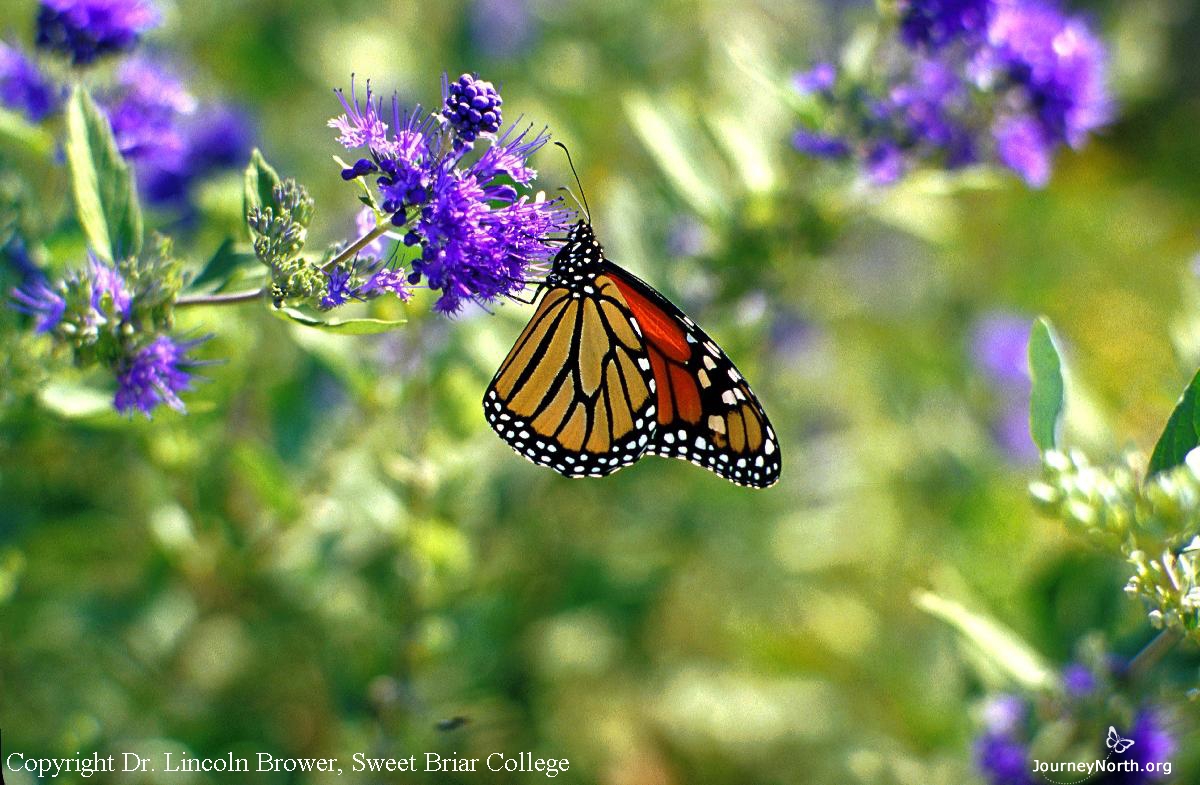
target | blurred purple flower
x=364, y=222
x=1000, y=346
x=818, y=79
x=1003, y=760
x=820, y=145
x=502, y=28
x=1152, y=744
x=1023, y=147
x=84, y=30
x=1058, y=61
x=1078, y=680
x=37, y=299
x=935, y=23
x=688, y=236
x=1003, y=714
x=885, y=164
x=1011, y=430
x=145, y=108
x=1009, y=81
x=156, y=374
x=24, y=87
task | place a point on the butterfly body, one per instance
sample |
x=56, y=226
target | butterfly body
x=609, y=370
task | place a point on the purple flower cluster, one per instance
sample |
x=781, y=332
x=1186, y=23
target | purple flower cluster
x=173, y=138
x=1008, y=81
x=84, y=30
x=104, y=316
x=935, y=23
x=469, y=215
x=1002, y=751
x=155, y=375
x=999, y=348
x=24, y=87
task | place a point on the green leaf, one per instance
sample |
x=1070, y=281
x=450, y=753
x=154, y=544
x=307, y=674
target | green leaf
x=339, y=326
x=1182, y=433
x=999, y=646
x=221, y=267
x=1046, y=400
x=260, y=179
x=105, y=195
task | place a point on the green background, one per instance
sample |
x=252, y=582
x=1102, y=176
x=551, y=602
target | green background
x=331, y=552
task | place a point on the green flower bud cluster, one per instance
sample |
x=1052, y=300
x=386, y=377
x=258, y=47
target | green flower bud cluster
x=280, y=230
x=1153, y=522
x=108, y=310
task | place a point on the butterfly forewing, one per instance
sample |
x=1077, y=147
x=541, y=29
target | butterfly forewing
x=574, y=393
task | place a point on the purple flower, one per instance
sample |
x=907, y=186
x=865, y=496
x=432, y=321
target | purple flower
x=87, y=29
x=1060, y=64
x=364, y=222
x=935, y=23
x=38, y=300
x=1003, y=760
x=885, y=164
x=471, y=106
x=820, y=145
x=360, y=125
x=999, y=348
x=1007, y=81
x=387, y=281
x=337, y=290
x=156, y=374
x=1078, y=680
x=111, y=294
x=145, y=109
x=218, y=137
x=1022, y=146
x=818, y=79
x=1152, y=744
x=1004, y=714
x=23, y=86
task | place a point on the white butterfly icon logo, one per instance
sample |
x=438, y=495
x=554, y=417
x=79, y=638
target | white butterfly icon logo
x=1115, y=742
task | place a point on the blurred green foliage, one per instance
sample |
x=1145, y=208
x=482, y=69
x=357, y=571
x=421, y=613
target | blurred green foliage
x=331, y=552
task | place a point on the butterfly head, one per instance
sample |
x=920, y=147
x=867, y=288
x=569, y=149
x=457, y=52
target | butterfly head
x=580, y=258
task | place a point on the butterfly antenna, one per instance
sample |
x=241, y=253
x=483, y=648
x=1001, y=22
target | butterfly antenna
x=586, y=210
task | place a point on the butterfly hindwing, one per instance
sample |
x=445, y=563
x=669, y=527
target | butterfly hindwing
x=707, y=413
x=575, y=392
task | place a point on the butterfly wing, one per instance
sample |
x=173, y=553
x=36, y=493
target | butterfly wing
x=706, y=412
x=1123, y=745
x=575, y=393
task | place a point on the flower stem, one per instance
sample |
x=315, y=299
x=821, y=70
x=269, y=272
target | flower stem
x=233, y=298
x=230, y=298
x=379, y=231
x=1154, y=651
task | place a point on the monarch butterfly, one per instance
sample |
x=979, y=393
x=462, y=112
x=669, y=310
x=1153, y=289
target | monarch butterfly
x=609, y=370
